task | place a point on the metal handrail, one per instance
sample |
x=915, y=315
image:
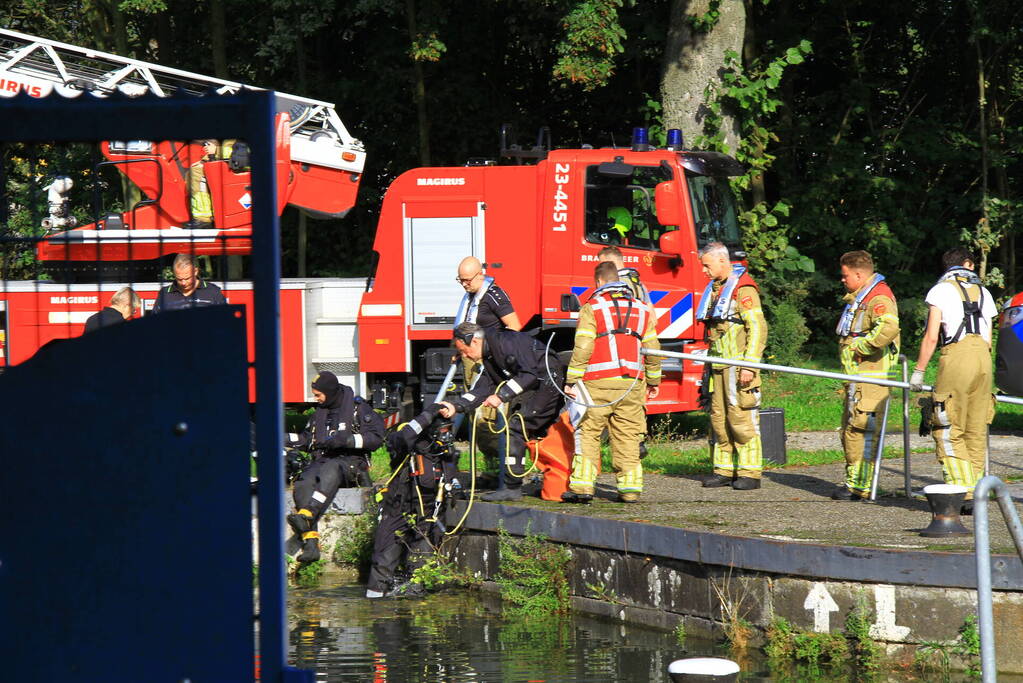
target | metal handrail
x=894, y=384
x=982, y=551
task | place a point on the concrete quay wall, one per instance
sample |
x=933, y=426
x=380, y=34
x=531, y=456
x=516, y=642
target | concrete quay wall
x=664, y=576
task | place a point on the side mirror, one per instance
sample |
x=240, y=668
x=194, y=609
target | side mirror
x=666, y=201
x=671, y=243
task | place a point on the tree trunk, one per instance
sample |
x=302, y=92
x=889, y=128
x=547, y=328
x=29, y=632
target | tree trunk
x=758, y=191
x=693, y=60
x=419, y=85
x=218, y=38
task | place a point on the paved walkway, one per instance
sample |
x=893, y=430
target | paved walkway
x=794, y=503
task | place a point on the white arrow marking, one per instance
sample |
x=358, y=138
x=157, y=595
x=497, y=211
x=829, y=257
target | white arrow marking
x=820, y=601
x=885, y=627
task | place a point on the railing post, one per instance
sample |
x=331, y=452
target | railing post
x=907, y=485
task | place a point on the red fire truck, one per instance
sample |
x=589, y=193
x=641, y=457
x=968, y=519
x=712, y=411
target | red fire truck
x=539, y=227
x=537, y=224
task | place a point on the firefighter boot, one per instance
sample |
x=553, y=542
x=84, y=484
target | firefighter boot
x=300, y=522
x=717, y=480
x=310, y=547
x=573, y=497
x=746, y=484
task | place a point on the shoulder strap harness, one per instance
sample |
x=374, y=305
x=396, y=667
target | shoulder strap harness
x=971, y=309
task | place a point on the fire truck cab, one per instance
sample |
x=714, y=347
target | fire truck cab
x=538, y=228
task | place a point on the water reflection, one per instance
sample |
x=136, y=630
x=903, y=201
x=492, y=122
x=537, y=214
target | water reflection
x=462, y=636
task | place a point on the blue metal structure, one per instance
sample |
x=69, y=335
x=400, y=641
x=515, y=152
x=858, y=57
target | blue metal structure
x=125, y=550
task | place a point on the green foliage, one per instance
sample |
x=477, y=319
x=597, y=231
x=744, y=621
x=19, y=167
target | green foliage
x=680, y=633
x=967, y=646
x=427, y=48
x=593, y=38
x=785, y=642
x=438, y=572
x=534, y=573
x=936, y=656
x=787, y=332
x=307, y=574
x=356, y=548
x=866, y=652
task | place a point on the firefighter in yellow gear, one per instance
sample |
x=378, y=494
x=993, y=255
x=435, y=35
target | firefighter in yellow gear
x=735, y=327
x=868, y=343
x=200, y=203
x=612, y=379
x=960, y=310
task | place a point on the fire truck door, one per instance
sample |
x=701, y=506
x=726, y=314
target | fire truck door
x=433, y=247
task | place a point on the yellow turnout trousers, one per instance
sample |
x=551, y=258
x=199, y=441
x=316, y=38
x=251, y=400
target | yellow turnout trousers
x=963, y=409
x=861, y=429
x=626, y=426
x=735, y=425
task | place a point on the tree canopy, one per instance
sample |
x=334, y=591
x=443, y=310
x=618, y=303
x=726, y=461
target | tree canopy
x=890, y=127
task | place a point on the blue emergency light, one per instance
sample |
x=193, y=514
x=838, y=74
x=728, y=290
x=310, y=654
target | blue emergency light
x=674, y=140
x=639, y=140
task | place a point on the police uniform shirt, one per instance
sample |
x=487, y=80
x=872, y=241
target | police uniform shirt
x=494, y=305
x=945, y=296
x=205, y=294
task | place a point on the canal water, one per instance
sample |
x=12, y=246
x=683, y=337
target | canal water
x=464, y=636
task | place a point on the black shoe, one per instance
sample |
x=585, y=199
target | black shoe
x=746, y=484
x=967, y=508
x=310, y=550
x=844, y=494
x=642, y=450
x=504, y=495
x=717, y=480
x=573, y=497
x=197, y=225
x=299, y=523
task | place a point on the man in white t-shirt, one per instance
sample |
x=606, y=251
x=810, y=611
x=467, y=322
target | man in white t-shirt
x=959, y=316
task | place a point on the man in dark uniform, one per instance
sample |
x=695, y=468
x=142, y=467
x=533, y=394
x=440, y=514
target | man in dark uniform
x=514, y=371
x=490, y=307
x=122, y=306
x=340, y=436
x=187, y=290
x=412, y=502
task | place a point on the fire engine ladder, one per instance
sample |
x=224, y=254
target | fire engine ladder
x=26, y=62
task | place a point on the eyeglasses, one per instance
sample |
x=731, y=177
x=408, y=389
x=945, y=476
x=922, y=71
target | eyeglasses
x=467, y=280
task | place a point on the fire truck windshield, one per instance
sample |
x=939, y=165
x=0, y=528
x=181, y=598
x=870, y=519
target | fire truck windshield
x=621, y=211
x=714, y=214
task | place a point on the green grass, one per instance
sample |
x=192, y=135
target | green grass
x=663, y=458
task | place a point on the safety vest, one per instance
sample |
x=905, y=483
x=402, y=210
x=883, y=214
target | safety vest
x=470, y=304
x=971, y=309
x=850, y=324
x=722, y=307
x=621, y=321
